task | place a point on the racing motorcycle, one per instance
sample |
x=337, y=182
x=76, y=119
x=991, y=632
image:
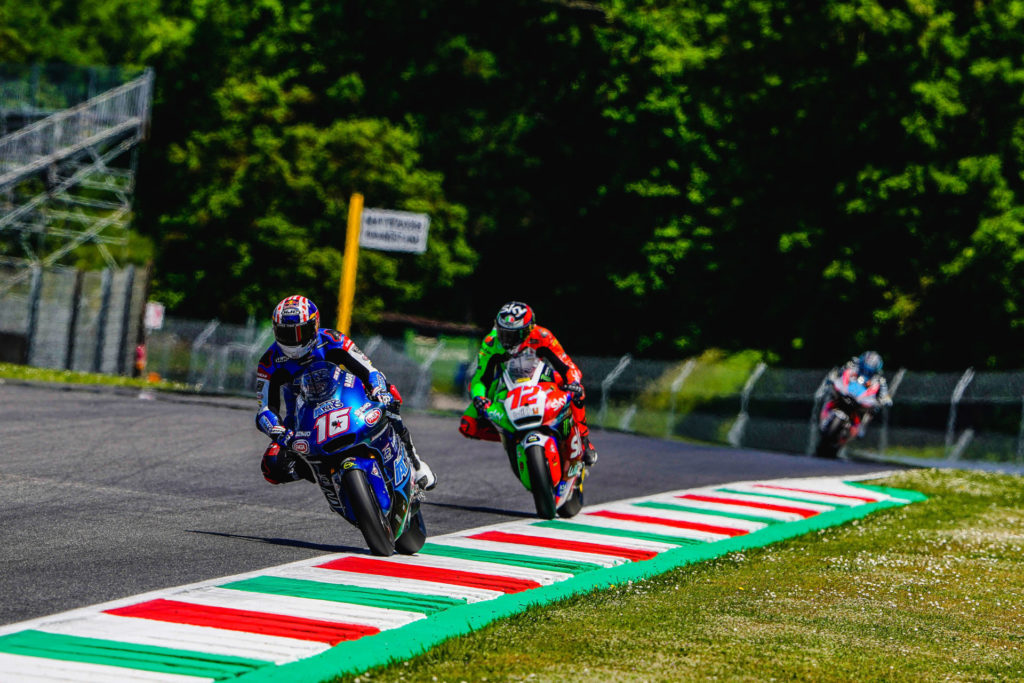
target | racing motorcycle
x=542, y=440
x=852, y=403
x=357, y=458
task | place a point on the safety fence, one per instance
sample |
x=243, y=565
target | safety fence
x=968, y=418
x=69, y=319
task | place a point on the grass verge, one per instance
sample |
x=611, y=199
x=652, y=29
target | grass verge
x=931, y=591
x=31, y=374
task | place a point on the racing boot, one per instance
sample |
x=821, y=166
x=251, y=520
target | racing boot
x=589, y=454
x=277, y=466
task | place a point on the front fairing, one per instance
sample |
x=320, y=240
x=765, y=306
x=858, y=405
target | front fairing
x=339, y=428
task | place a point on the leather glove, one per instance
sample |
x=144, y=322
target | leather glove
x=574, y=388
x=481, y=403
x=281, y=435
x=382, y=395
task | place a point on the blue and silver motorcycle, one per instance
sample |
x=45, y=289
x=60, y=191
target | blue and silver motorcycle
x=357, y=458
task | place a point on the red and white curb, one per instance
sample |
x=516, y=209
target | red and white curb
x=253, y=623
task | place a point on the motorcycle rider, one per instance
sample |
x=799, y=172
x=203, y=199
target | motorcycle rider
x=299, y=341
x=867, y=369
x=514, y=332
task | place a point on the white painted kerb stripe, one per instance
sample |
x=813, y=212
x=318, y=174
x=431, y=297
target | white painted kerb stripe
x=186, y=637
x=21, y=669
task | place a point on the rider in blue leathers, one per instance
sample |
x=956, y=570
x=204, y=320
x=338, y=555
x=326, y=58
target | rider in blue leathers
x=298, y=342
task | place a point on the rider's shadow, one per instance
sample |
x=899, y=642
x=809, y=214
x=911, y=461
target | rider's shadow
x=290, y=542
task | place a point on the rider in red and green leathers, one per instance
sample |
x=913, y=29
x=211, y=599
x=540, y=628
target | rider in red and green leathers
x=515, y=331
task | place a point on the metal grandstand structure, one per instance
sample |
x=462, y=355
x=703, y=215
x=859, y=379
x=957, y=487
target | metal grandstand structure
x=68, y=175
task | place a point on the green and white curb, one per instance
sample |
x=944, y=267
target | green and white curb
x=345, y=613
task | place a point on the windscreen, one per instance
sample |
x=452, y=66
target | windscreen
x=319, y=381
x=522, y=366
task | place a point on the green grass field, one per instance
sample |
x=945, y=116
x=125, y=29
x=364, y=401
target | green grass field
x=32, y=374
x=932, y=591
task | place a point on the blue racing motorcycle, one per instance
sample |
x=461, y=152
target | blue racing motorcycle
x=357, y=458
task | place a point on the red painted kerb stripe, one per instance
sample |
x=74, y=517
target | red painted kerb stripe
x=559, y=544
x=803, y=512
x=248, y=621
x=820, y=493
x=678, y=523
x=457, y=577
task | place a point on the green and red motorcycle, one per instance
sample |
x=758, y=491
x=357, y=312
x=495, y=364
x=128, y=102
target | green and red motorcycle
x=542, y=440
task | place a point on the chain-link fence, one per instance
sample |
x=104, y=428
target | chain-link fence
x=70, y=319
x=220, y=358
x=956, y=418
x=964, y=418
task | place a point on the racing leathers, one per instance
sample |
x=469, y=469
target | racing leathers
x=277, y=380
x=489, y=359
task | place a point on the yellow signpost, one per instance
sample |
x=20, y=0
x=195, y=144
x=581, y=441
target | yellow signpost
x=347, y=286
x=385, y=230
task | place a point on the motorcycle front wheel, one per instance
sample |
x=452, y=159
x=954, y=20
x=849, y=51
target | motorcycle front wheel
x=376, y=529
x=414, y=536
x=572, y=507
x=540, y=482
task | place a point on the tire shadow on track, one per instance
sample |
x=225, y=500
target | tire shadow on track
x=288, y=542
x=483, y=509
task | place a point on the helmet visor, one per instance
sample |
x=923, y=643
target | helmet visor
x=510, y=339
x=296, y=335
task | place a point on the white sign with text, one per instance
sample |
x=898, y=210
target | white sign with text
x=394, y=230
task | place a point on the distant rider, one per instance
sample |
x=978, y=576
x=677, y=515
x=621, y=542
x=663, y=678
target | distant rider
x=298, y=342
x=514, y=332
x=866, y=369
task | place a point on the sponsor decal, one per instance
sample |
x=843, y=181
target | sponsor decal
x=300, y=446
x=301, y=434
x=327, y=486
x=372, y=417
x=348, y=464
x=401, y=469
x=387, y=453
x=532, y=439
x=574, y=470
x=347, y=344
x=327, y=406
x=350, y=380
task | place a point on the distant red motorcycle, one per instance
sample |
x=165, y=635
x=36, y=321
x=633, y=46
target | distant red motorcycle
x=847, y=411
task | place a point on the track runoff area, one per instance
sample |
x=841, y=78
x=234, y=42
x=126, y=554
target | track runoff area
x=344, y=613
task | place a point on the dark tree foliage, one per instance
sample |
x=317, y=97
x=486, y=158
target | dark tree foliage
x=654, y=176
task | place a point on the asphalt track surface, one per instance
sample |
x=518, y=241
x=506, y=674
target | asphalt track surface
x=109, y=493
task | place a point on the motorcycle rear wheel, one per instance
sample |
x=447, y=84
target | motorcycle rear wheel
x=414, y=536
x=540, y=482
x=375, y=527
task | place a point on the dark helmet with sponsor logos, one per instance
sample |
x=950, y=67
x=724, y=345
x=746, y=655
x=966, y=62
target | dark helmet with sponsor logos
x=296, y=323
x=514, y=323
x=869, y=364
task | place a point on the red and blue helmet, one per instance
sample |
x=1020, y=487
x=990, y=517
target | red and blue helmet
x=296, y=323
x=514, y=323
